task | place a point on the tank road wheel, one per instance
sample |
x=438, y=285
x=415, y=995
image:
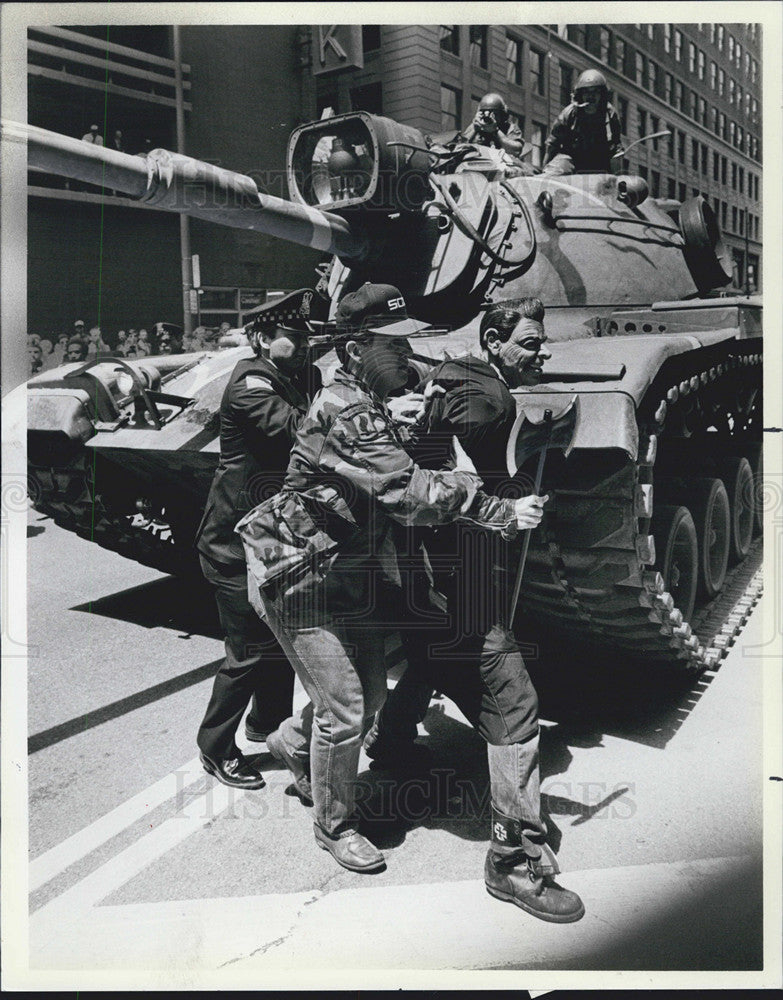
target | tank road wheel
x=709, y=504
x=677, y=555
x=738, y=480
x=755, y=456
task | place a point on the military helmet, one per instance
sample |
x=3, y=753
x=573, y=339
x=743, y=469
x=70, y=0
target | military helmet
x=591, y=78
x=493, y=102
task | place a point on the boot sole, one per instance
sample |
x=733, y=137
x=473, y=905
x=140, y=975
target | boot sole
x=552, y=918
x=359, y=869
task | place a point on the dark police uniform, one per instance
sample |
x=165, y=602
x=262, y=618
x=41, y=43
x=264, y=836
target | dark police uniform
x=259, y=414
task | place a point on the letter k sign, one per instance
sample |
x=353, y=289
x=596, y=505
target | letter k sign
x=326, y=37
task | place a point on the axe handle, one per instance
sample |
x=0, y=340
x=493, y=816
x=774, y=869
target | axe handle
x=526, y=540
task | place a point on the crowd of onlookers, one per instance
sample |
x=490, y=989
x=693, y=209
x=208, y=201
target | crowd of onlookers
x=81, y=344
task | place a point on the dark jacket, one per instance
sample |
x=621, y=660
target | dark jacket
x=590, y=140
x=259, y=414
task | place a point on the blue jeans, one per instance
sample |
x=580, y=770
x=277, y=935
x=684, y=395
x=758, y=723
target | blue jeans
x=342, y=669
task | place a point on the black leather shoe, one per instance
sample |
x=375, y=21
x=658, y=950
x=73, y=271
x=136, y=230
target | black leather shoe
x=351, y=850
x=301, y=779
x=237, y=772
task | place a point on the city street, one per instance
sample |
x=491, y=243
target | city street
x=144, y=865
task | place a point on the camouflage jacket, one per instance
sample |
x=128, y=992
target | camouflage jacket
x=320, y=542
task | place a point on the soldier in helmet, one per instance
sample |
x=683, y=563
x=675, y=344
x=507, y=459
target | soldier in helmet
x=493, y=126
x=264, y=402
x=586, y=133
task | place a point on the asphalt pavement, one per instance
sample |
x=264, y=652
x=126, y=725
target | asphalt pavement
x=142, y=867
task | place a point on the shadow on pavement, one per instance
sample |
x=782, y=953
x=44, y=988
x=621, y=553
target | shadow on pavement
x=186, y=606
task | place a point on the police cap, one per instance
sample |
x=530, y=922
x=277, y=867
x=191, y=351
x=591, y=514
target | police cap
x=296, y=311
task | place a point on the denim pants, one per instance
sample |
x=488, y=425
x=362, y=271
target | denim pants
x=342, y=669
x=255, y=667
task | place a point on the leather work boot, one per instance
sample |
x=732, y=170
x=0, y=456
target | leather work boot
x=351, y=850
x=511, y=874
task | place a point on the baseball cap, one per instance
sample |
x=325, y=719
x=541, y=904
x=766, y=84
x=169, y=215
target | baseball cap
x=79, y=322
x=376, y=309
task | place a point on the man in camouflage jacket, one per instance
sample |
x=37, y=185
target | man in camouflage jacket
x=318, y=549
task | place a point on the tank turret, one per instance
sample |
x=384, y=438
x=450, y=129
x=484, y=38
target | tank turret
x=655, y=503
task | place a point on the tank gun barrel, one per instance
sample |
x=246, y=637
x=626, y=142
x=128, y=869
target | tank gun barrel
x=178, y=183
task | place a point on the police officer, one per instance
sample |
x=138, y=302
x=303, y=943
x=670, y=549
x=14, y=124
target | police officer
x=316, y=551
x=586, y=133
x=475, y=661
x=263, y=404
x=492, y=126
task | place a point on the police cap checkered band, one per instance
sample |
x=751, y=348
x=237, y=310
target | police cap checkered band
x=375, y=309
x=295, y=311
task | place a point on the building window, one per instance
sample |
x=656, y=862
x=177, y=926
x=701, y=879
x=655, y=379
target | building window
x=747, y=64
x=368, y=98
x=732, y=90
x=692, y=104
x=733, y=135
x=720, y=37
x=738, y=59
x=449, y=38
x=622, y=114
x=678, y=95
x=667, y=38
x=733, y=214
x=691, y=57
x=724, y=166
x=619, y=53
x=566, y=83
x=537, y=138
x=641, y=121
x=754, y=110
x=701, y=63
x=667, y=87
x=703, y=111
x=715, y=166
x=704, y=160
x=652, y=76
x=643, y=171
x=682, y=194
x=741, y=182
x=678, y=45
x=723, y=214
x=716, y=207
x=739, y=99
x=721, y=125
x=371, y=37
x=754, y=71
x=576, y=34
x=537, y=71
x=450, y=108
x=639, y=68
x=713, y=74
x=651, y=31
x=712, y=32
x=478, y=46
x=695, y=154
x=655, y=126
x=721, y=83
x=655, y=184
x=731, y=48
x=734, y=176
x=714, y=119
x=681, y=147
x=740, y=137
x=604, y=41
x=671, y=188
x=670, y=141
x=513, y=60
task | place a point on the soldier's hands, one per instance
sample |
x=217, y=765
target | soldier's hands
x=411, y=408
x=485, y=123
x=529, y=511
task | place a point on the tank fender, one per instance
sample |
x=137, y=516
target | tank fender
x=62, y=411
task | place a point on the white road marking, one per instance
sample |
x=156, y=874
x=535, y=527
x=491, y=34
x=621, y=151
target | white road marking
x=54, y=861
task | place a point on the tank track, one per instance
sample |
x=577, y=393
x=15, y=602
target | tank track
x=590, y=572
x=66, y=496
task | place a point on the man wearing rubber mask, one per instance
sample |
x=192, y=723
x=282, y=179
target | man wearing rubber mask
x=468, y=658
x=586, y=133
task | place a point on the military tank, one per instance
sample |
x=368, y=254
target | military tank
x=654, y=502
